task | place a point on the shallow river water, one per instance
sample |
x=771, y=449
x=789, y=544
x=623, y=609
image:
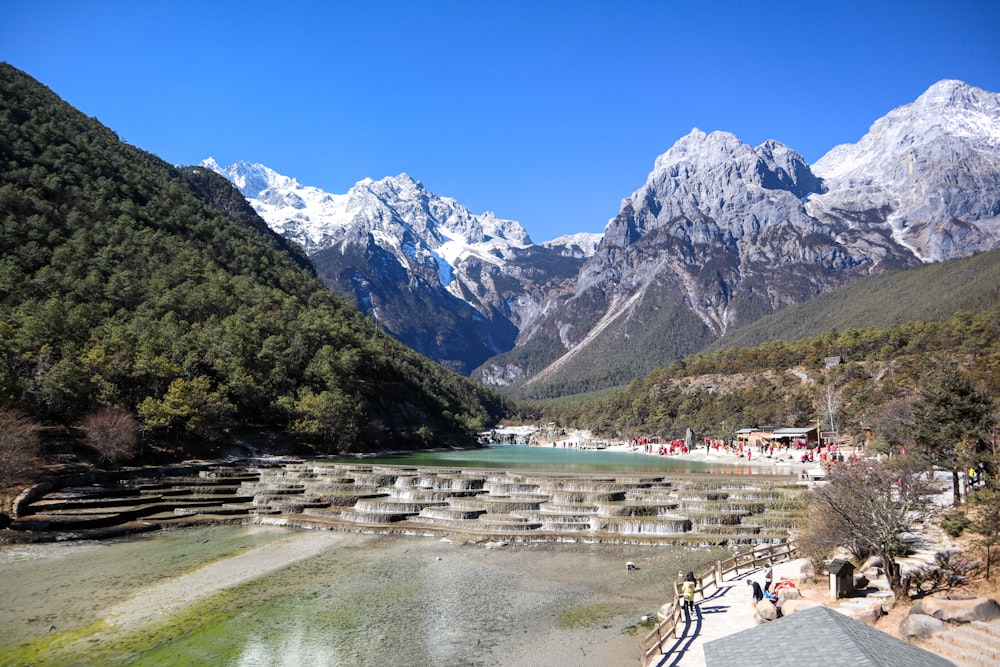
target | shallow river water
x=364, y=600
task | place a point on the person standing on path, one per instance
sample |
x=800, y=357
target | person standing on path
x=768, y=577
x=688, y=587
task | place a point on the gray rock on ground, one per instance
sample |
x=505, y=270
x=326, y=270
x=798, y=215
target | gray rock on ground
x=790, y=607
x=886, y=598
x=958, y=611
x=787, y=593
x=873, y=563
x=920, y=626
x=764, y=612
x=864, y=610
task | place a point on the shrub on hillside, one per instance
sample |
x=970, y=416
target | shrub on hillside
x=113, y=433
x=954, y=523
x=19, y=444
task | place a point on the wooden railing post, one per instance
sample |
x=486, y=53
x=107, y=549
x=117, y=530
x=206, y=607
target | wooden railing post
x=669, y=627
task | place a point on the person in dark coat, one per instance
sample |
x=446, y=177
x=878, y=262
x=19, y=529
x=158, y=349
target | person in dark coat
x=758, y=594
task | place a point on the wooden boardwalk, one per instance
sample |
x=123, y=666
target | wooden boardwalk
x=723, y=608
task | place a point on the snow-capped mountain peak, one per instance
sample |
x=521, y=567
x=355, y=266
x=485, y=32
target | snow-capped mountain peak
x=317, y=219
x=930, y=170
x=583, y=244
x=403, y=252
x=720, y=233
x=949, y=109
x=251, y=178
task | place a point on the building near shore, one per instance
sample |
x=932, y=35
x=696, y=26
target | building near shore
x=778, y=436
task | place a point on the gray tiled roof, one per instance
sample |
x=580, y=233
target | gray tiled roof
x=818, y=636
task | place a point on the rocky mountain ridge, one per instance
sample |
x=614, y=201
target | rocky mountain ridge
x=453, y=285
x=720, y=234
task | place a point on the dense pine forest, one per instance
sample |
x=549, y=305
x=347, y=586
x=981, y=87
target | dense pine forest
x=149, y=300
x=851, y=382
x=131, y=285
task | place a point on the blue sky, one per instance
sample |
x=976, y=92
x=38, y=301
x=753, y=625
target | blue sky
x=547, y=112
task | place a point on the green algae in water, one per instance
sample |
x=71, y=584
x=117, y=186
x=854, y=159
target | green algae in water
x=598, y=615
x=71, y=585
x=375, y=600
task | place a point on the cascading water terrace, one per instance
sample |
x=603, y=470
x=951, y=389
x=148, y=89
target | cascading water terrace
x=533, y=506
x=681, y=508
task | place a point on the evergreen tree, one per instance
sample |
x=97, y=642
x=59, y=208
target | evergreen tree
x=949, y=424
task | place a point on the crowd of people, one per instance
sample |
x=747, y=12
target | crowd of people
x=654, y=446
x=789, y=449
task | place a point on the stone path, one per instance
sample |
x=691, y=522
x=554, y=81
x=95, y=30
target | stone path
x=727, y=610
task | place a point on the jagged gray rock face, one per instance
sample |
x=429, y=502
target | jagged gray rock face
x=722, y=233
x=712, y=200
x=718, y=235
x=927, y=173
x=451, y=284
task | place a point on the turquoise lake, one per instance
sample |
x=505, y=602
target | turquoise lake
x=555, y=459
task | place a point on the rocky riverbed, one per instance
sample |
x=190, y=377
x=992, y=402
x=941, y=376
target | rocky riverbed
x=256, y=595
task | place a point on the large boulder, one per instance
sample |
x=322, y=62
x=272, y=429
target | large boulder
x=886, y=598
x=920, y=626
x=958, y=611
x=790, y=607
x=785, y=594
x=873, y=563
x=765, y=611
x=864, y=610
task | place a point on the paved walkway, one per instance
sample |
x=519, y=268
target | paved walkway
x=727, y=610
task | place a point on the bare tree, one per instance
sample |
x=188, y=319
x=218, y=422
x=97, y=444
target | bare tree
x=888, y=424
x=113, y=433
x=19, y=445
x=829, y=407
x=865, y=506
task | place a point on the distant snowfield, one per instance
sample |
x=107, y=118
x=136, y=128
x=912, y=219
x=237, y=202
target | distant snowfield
x=397, y=211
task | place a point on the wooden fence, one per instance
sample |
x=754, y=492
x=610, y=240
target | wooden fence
x=658, y=642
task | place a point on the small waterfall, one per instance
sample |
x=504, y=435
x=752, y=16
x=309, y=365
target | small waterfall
x=625, y=508
x=642, y=525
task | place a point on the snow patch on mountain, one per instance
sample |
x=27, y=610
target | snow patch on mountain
x=446, y=273
x=583, y=244
x=949, y=109
x=318, y=219
x=929, y=170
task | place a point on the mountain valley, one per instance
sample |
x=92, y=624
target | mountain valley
x=720, y=235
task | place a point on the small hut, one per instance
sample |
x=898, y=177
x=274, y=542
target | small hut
x=841, y=578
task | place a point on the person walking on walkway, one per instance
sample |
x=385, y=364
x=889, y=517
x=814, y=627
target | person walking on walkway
x=688, y=587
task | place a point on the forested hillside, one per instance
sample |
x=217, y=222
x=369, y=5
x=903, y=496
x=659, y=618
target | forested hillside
x=925, y=293
x=129, y=283
x=879, y=373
